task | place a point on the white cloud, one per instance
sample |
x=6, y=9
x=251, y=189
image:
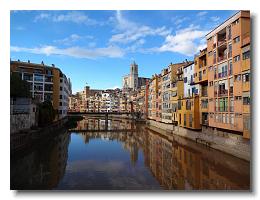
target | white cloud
x=202, y=13
x=179, y=19
x=131, y=31
x=184, y=41
x=215, y=18
x=77, y=52
x=42, y=16
x=73, y=38
x=73, y=16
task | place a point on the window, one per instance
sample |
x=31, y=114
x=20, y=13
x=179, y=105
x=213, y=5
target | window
x=229, y=50
x=246, y=55
x=230, y=68
x=238, y=98
x=60, y=96
x=27, y=77
x=238, y=77
x=38, y=78
x=190, y=120
x=60, y=103
x=246, y=100
x=210, y=53
x=235, y=22
x=246, y=77
x=185, y=79
x=229, y=32
x=237, y=39
x=236, y=58
x=60, y=88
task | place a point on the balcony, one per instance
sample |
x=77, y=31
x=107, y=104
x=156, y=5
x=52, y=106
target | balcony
x=230, y=54
x=223, y=93
x=231, y=92
x=222, y=74
x=214, y=60
x=222, y=41
x=179, y=71
x=204, y=93
x=221, y=58
x=246, y=39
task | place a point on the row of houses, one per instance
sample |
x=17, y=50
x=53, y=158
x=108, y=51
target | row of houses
x=213, y=90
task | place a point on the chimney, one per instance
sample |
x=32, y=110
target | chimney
x=42, y=63
x=18, y=60
x=52, y=65
x=28, y=61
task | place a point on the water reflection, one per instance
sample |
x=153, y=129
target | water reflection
x=139, y=159
x=42, y=168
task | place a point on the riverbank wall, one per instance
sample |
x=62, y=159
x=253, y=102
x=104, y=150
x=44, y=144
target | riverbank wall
x=26, y=139
x=226, y=142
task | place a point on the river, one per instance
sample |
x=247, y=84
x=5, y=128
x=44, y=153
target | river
x=127, y=156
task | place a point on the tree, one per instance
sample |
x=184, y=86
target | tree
x=19, y=87
x=46, y=113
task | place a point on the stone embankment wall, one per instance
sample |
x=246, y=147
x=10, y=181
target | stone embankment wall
x=20, y=122
x=229, y=143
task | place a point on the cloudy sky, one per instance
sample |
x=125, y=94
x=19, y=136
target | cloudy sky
x=97, y=47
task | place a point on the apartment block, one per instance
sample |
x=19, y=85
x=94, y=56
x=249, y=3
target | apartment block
x=201, y=79
x=228, y=49
x=166, y=95
x=153, y=98
x=47, y=83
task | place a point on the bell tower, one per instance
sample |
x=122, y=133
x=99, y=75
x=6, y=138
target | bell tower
x=133, y=75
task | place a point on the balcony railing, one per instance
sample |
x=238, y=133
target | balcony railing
x=221, y=58
x=223, y=93
x=231, y=108
x=231, y=92
x=222, y=41
x=204, y=94
x=222, y=74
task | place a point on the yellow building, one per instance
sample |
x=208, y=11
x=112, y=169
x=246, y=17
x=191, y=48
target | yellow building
x=189, y=112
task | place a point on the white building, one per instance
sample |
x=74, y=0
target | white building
x=190, y=89
x=65, y=93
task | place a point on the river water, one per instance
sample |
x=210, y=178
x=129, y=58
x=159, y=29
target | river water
x=126, y=156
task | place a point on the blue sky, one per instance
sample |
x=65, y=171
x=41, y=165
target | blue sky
x=97, y=47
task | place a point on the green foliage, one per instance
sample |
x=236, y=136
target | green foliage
x=72, y=121
x=19, y=87
x=46, y=113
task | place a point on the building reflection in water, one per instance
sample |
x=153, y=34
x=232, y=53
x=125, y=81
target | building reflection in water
x=176, y=163
x=181, y=164
x=42, y=168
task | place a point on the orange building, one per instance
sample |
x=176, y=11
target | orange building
x=228, y=63
x=201, y=78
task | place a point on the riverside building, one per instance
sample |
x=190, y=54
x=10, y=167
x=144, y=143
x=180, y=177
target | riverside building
x=47, y=83
x=228, y=49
